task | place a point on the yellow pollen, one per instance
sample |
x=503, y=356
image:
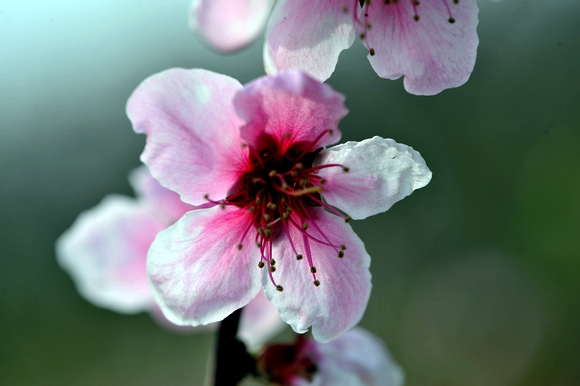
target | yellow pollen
x=312, y=189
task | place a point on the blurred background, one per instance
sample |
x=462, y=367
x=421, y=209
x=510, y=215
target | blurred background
x=476, y=276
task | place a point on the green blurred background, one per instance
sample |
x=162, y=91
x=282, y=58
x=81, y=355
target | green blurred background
x=476, y=276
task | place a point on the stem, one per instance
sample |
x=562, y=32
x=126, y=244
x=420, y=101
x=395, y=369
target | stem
x=233, y=362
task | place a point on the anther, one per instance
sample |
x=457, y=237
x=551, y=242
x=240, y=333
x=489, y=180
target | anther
x=272, y=174
x=322, y=181
x=293, y=173
x=239, y=245
x=312, y=269
x=316, y=283
x=261, y=264
x=456, y=1
x=258, y=200
x=303, y=183
x=255, y=180
x=304, y=226
x=272, y=262
x=330, y=132
x=267, y=217
x=342, y=247
x=340, y=254
x=299, y=166
x=345, y=169
x=451, y=20
x=298, y=257
x=285, y=216
x=347, y=219
x=271, y=206
x=272, y=268
x=284, y=186
x=372, y=52
x=279, y=288
x=267, y=233
x=259, y=244
x=362, y=36
x=416, y=17
x=206, y=196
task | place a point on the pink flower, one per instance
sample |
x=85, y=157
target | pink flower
x=106, y=248
x=357, y=358
x=432, y=43
x=252, y=160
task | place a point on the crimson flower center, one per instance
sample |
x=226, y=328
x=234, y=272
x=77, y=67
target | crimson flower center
x=278, y=191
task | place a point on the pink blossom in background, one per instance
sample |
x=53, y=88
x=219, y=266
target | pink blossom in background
x=431, y=43
x=253, y=162
x=357, y=358
x=105, y=253
x=228, y=25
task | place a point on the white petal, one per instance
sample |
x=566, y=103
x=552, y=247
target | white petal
x=380, y=173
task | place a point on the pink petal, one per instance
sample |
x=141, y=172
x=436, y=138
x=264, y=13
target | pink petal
x=193, y=145
x=290, y=107
x=431, y=53
x=380, y=173
x=229, y=25
x=105, y=251
x=259, y=322
x=356, y=358
x=345, y=283
x=198, y=274
x=164, y=202
x=308, y=35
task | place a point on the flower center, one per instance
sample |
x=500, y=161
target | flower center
x=277, y=191
x=283, y=363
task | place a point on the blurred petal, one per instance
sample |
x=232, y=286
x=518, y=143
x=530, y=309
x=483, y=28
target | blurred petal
x=308, y=35
x=164, y=202
x=105, y=251
x=357, y=354
x=338, y=303
x=229, y=25
x=198, y=274
x=432, y=53
x=290, y=107
x=381, y=172
x=260, y=321
x=193, y=145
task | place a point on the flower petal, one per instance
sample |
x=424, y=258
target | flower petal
x=105, y=251
x=291, y=107
x=259, y=322
x=193, y=145
x=164, y=202
x=338, y=303
x=432, y=53
x=308, y=35
x=197, y=273
x=357, y=354
x=229, y=25
x=380, y=173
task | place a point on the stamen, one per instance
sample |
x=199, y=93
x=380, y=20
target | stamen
x=261, y=264
x=280, y=288
x=272, y=262
x=272, y=268
x=317, y=283
x=299, y=257
x=313, y=269
x=341, y=254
